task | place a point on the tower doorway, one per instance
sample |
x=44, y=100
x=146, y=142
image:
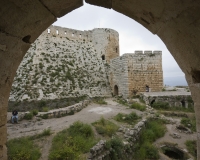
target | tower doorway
x=116, y=91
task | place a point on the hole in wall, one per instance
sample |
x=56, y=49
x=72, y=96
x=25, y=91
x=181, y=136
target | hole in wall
x=103, y=57
x=116, y=91
x=48, y=30
x=26, y=39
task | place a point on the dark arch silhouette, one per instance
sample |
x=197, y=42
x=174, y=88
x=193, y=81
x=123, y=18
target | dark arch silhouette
x=116, y=90
x=103, y=57
x=166, y=21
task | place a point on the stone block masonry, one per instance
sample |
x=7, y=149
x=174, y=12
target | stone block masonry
x=132, y=72
x=65, y=62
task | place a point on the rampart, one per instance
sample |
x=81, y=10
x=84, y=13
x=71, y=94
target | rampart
x=133, y=71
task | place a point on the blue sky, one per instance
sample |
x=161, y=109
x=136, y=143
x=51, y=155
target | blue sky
x=132, y=36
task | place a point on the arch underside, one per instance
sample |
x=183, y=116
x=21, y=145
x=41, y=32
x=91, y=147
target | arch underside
x=175, y=22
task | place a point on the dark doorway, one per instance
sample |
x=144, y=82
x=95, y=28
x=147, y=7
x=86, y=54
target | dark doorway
x=103, y=57
x=116, y=92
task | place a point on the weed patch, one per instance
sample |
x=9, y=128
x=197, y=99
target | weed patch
x=22, y=149
x=105, y=127
x=115, y=145
x=138, y=106
x=189, y=123
x=192, y=147
x=144, y=148
x=99, y=100
x=71, y=143
x=127, y=118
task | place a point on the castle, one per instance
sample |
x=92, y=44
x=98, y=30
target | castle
x=65, y=62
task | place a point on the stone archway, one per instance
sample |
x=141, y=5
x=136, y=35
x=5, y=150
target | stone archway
x=175, y=22
x=116, y=90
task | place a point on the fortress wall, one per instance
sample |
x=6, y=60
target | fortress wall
x=145, y=68
x=58, y=66
x=132, y=71
x=106, y=42
x=119, y=75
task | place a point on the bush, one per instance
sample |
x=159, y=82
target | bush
x=189, y=121
x=192, y=147
x=105, y=127
x=71, y=143
x=138, y=106
x=127, y=118
x=115, y=145
x=35, y=112
x=160, y=105
x=28, y=116
x=45, y=109
x=22, y=149
x=99, y=100
x=144, y=149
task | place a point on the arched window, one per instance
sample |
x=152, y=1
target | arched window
x=48, y=30
x=103, y=57
x=56, y=31
x=116, y=91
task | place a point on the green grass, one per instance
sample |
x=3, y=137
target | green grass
x=45, y=109
x=73, y=142
x=191, y=121
x=105, y=127
x=122, y=101
x=46, y=132
x=165, y=106
x=144, y=148
x=99, y=100
x=192, y=147
x=138, y=106
x=23, y=149
x=127, y=118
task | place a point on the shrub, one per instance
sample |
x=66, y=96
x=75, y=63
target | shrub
x=138, y=106
x=35, y=112
x=115, y=145
x=160, y=105
x=22, y=149
x=46, y=132
x=72, y=142
x=189, y=121
x=144, y=148
x=105, y=127
x=99, y=100
x=45, y=116
x=28, y=116
x=127, y=118
x=192, y=147
x=45, y=109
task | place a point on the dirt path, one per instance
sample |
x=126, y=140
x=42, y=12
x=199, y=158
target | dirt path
x=91, y=113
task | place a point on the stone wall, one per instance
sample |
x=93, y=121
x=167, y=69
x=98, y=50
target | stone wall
x=173, y=100
x=134, y=71
x=64, y=62
x=55, y=113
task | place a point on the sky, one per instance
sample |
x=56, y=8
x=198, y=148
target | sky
x=132, y=36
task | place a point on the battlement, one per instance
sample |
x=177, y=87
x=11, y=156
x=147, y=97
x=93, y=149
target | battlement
x=87, y=35
x=143, y=53
x=148, y=52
